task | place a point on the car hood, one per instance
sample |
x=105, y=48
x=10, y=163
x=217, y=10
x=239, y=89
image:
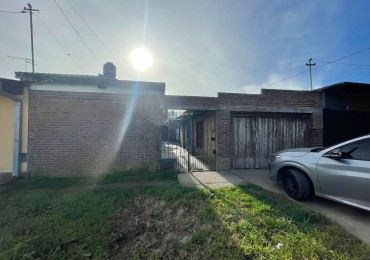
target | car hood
x=297, y=152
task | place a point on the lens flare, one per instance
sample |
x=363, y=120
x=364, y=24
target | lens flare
x=141, y=59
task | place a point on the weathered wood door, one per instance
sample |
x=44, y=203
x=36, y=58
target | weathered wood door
x=255, y=138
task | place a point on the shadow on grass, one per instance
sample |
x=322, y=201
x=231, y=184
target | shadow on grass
x=55, y=182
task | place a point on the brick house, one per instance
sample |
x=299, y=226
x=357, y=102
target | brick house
x=89, y=124
x=80, y=124
x=346, y=113
x=13, y=128
x=242, y=130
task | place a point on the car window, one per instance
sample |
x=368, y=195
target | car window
x=357, y=151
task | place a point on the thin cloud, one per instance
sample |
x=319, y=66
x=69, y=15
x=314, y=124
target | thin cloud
x=236, y=46
x=292, y=84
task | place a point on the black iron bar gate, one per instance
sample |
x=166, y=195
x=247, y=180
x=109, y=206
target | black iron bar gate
x=188, y=140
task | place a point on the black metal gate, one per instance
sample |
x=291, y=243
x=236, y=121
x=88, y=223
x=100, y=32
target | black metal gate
x=188, y=140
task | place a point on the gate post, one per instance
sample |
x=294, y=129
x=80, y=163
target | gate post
x=189, y=141
x=223, y=140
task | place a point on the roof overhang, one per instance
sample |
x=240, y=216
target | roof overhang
x=348, y=88
x=100, y=81
x=13, y=87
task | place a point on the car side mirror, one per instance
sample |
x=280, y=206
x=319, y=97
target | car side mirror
x=334, y=154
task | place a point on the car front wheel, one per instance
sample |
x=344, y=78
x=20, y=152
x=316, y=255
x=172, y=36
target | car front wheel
x=296, y=184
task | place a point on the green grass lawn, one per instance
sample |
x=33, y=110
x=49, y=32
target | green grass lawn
x=42, y=218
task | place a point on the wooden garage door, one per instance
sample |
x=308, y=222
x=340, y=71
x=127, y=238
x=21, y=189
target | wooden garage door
x=255, y=138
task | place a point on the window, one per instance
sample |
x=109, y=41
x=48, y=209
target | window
x=199, y=135
x=357, y=151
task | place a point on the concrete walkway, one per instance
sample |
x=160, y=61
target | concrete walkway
x=355, y=221
x=210, y=179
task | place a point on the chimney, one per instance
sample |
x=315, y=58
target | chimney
x=109, y=70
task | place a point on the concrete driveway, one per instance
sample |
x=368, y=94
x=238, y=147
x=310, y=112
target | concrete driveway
x=355, y=221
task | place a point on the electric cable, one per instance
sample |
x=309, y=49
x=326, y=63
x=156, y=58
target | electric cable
x=6, y=65
x=342, y=58
x=95, y=34
x=292, y=76
x=78, y=34
x=327, y=63
x=60, y=44
x=343, y=63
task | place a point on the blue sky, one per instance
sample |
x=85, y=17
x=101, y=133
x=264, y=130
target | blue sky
x=198, y=47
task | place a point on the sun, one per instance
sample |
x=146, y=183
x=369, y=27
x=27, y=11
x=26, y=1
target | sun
x=141, y=59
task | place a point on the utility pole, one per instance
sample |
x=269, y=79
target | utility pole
x=30, y=10
x=310, y=65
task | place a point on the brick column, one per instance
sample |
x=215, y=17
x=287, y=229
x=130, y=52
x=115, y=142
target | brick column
x=316, y=129
x=223, y=140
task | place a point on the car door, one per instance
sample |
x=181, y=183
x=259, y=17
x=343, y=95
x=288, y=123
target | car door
x=347, y=177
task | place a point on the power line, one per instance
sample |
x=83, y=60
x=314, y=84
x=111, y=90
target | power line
x=343, y=63
x=6, y=65
x=93, y=32
x=289, y=77
x=60, y=44
x=352, y=54
x=29, y=10
x=327, y=63
x=79, y=35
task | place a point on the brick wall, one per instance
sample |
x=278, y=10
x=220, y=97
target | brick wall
x=80, y=133
x=190, y=102
x=223, y=139
x=269, y=101
x=288, y=101
x=309, y=103
x=83, y=133
x=273, y=97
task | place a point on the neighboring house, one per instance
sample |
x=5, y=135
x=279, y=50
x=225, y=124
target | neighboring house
x=13, y=128
x=237, y=131
x=89, y=124
x=78, y=124
x=347, y=112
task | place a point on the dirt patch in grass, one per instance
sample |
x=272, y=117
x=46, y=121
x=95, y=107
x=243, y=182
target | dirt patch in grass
x=234, y=223
x=151, y=228
x=166, y=222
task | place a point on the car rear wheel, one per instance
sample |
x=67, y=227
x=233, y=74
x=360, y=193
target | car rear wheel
x=296, y=184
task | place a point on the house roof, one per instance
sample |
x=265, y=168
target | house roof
x=348, y=88
x=14, y=87
x=102, y=81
